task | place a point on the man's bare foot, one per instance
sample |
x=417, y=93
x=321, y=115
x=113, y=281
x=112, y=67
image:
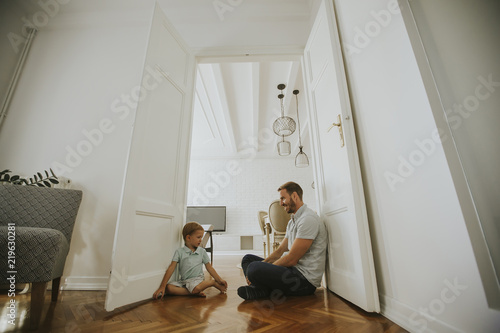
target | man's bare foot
x=201, y=294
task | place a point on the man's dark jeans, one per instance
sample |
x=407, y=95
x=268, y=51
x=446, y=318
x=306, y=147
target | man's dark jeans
x=270, y=277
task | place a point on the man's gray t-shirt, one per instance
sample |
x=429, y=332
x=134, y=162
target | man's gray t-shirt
x=305, y=224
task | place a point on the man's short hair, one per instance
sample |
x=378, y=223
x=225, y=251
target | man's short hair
x=291, y=187
x=190, y=228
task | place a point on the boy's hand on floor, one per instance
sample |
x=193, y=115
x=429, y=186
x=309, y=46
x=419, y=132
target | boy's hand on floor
x=159, y=293
x=222, y=285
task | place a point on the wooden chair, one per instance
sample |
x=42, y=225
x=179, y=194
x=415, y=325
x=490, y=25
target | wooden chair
x=261, y=215
x=279, y=219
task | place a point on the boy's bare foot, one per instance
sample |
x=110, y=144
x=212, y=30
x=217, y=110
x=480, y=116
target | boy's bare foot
x=221, y=287
x=201, y=294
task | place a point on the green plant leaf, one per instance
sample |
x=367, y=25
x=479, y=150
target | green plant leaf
x=46, y=183
x=14, y=178
x=47, y=173
x=39, y=184
x=40, y=175
x=53, y=181
x=6, y=177
x=52, y=172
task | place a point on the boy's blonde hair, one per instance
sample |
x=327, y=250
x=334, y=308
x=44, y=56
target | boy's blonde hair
x=190, y=228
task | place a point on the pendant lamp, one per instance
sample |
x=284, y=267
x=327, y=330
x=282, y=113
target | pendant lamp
x=301, y=160
x=284, y=147
x=283, y=126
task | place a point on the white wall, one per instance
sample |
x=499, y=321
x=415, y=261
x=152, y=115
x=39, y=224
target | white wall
x=427, y=275
x=469, y=97
x=244, y=186
x=77, y=68
x=13, y=36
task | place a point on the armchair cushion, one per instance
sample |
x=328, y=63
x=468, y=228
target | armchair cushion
x=40, y=253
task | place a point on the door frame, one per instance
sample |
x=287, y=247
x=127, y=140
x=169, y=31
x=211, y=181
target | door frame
x=239, y=55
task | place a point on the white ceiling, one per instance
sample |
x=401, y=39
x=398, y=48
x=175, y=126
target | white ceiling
x=236, y=105
x=245, y=49
x=236, y=99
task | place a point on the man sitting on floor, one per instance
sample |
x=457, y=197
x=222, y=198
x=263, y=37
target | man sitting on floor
x=300, y=271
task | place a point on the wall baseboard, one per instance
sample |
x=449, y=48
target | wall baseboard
x=85, y=283
x=411, y=319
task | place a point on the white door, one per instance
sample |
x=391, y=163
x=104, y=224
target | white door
x=152, y=206
x=350, y=271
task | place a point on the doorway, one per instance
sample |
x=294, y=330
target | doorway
x=234, y=159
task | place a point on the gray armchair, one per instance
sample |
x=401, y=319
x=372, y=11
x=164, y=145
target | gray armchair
x=43, y=221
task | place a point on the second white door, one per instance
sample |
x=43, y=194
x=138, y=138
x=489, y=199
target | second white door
x=350, y=270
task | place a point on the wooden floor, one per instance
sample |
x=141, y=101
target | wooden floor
x=83, y=311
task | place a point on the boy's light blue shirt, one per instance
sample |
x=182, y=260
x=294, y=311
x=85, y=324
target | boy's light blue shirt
x=190, y=263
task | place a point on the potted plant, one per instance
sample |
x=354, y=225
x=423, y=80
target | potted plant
x=38, y=179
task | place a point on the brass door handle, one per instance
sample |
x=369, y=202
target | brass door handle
x=341, y=132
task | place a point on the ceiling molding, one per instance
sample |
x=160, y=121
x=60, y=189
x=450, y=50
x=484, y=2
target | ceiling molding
x=249, y=54
x=289, y=97
x=219, y=84
x=255, y=101
x=204, y=101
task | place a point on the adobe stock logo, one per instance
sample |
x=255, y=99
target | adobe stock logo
x=416, y=158
x=455, y=118
x=223, y=6
x=248, y=151
x=122, y=107
x=373, y=28
x=48, y=9
x=448, y=295
x=470, y=104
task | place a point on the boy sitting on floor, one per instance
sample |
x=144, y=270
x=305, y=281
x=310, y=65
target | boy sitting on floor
x=190, y=258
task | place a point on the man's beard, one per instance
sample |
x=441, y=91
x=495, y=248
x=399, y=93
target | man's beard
x=291, y=208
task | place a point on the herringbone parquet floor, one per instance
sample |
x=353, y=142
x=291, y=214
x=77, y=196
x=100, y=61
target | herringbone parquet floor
x=83, y=312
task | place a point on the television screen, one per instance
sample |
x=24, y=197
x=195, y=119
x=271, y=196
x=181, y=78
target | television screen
x=215, y=215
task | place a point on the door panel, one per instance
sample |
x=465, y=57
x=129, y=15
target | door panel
x=350, y=271
x=152, y=206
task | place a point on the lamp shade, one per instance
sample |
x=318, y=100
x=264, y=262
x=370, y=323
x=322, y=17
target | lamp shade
x=301, y=160
x=284, y=126
x=284, y=147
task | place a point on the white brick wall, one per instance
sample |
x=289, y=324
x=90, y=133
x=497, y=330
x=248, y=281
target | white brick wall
x=244, y=187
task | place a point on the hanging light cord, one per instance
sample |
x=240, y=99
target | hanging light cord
x=298, y=121
x=280, y=96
